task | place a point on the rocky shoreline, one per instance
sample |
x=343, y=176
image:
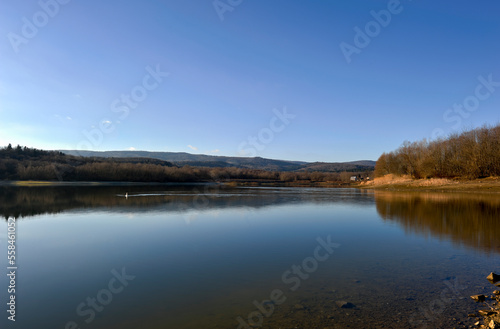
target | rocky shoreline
x=490, y=316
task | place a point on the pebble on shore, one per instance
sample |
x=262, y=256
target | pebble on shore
x=491, y=316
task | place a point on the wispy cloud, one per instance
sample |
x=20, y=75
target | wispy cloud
x=215, y=151
x=132, y=148
x=107, y=122
x=193, y=147
x=61, y=118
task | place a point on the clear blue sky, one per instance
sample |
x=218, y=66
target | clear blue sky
x=64, y=70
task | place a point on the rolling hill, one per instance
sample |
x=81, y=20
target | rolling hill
x=202, y=160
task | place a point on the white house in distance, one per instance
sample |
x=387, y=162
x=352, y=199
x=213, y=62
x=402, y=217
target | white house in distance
x=356, y=178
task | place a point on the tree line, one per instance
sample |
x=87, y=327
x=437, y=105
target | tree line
x=22, y=163
x=469, y=155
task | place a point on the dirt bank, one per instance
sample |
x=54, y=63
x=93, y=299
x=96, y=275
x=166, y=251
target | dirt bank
x=404, y=183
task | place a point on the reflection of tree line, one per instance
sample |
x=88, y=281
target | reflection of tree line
x=471, y=220
x=19, y=201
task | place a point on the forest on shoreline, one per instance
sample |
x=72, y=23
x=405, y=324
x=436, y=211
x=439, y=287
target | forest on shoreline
x=23, y=163
x=469, y=155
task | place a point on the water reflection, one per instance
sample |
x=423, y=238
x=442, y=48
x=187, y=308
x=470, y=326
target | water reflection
x=19, y=201
x=467, y=219
x=208, y=274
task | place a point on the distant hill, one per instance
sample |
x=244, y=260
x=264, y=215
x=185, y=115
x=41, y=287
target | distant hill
x=202, y=160
x=363, y=165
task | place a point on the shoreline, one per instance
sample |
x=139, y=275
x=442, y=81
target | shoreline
x=404, y=183
x=491, y=310
x=490, y=185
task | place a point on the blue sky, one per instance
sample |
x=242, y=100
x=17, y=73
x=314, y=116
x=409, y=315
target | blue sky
x=270, y=79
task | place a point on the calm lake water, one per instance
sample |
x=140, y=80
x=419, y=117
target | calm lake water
x=219, y=257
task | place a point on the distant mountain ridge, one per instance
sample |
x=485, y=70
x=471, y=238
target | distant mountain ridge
x=202, y=160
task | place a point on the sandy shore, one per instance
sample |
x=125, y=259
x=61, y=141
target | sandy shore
x=405, y=183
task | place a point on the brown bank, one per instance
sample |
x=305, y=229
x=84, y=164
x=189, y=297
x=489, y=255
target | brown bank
x=406, y=183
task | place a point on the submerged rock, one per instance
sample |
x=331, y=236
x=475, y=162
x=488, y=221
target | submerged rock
x=478, y=298
x=299, y=307
x=493, y=278
x=486, y=312
x=344, y=304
